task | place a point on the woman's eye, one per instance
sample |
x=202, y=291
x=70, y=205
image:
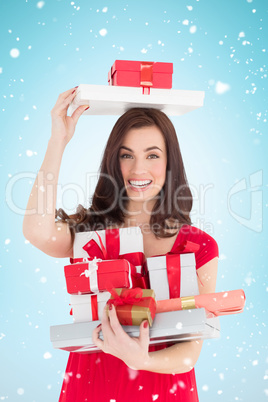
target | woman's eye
x=125, y=156
x=153, y=156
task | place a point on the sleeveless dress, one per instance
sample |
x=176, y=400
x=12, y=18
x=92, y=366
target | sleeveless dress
x=100, y=377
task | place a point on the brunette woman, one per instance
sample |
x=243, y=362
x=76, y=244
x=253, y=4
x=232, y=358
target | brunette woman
x=142, y=183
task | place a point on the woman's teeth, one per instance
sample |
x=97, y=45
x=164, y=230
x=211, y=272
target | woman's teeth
x=140, y=183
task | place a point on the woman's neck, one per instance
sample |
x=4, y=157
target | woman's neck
x=138, y=213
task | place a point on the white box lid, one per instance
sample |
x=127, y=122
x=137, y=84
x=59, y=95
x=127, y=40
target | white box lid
x=86, y=298
x=116, y=100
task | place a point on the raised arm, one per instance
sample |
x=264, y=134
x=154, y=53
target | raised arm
x=39, y=226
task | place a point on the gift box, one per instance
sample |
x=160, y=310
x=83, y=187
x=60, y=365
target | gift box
x=97, y=275
x=116, y=100
x=220, y=303
x=112, y=244
x=133, y=305
x=173, y=275
x=141, y=74
x=168, y=327
x=88, y=307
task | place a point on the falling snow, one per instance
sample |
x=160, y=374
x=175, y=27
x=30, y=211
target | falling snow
x=40, y=4
x=103, y=32
x=14, y=53
x=47, y=355
x=221, y=87
x=193, y=29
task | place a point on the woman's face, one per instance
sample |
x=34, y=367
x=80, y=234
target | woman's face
x=143, y=161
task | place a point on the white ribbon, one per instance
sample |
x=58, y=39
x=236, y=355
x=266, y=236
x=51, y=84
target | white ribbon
x=91, y=273
x=129, y=276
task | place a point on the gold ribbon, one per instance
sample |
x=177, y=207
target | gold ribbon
x=187, y=303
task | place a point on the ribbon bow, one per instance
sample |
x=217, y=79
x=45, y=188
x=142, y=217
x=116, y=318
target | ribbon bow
x=91, y=273
x=92, y=267
x=185, y=247
x=129, y=296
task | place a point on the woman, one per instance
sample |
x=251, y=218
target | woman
x=142, y=182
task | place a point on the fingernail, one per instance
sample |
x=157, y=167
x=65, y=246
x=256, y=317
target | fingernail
x=73, y=91
x=145, y=324
x=110, y=306
x=87, y=108
x=77, y=86
x=98, y=325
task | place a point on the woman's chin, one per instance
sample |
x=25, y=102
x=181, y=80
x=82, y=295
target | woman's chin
x=140, y=197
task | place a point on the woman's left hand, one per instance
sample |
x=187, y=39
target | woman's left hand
x=132, y=351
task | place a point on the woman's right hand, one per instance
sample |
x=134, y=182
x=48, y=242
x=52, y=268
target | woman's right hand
x=63, y=126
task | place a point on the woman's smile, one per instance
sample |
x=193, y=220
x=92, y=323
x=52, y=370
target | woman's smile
x=139, y=185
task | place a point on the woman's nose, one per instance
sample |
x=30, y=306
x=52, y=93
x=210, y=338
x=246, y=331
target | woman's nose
x=139, y=166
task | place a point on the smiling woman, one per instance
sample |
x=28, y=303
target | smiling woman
x=142, y=183
x=142, y=147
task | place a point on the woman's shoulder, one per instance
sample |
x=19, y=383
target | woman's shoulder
x=208, y=247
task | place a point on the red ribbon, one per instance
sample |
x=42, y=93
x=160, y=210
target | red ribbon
x=130, y=296
x=174, y=266
x=111, y=252
x=174, y=275
x=127, y=300
x=186, y=247
x=146, y=77
x=146, y=74
x=94, y=307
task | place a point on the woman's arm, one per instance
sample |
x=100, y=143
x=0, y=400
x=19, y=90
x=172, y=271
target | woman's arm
x=39, y=226
x=175, y=359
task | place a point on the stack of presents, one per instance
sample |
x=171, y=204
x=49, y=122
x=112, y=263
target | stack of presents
x=109, y=266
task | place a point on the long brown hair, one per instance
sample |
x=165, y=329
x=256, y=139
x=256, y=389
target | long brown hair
x=174, y=203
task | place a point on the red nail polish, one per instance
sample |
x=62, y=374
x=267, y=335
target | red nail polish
x=77, y=86
x=145, y=324
x=86, y=108
x=110, y=306
x=98, y=325
x=73, y=91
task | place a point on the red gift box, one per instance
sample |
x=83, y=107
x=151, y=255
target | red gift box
x=141, y=73
x=98, y=275
x=133, y=305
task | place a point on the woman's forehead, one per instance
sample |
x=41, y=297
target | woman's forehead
x=144, y=136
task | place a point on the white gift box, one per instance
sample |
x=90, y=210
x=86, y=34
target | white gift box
x=82, y=306
x=115, y=100
x=157, y=268
x=131, y=241
x=168, y=327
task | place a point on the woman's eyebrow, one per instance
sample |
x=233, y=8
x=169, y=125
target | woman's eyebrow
x=145, y=150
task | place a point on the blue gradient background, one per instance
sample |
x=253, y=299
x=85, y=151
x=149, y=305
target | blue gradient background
x=224, y=145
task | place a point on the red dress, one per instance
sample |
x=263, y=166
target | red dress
x=100, y=377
